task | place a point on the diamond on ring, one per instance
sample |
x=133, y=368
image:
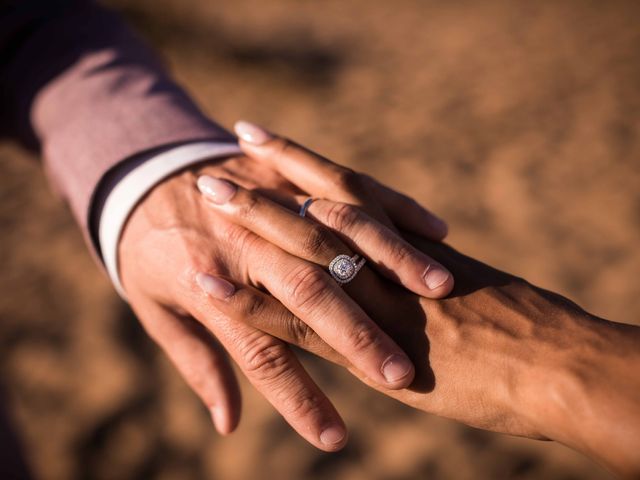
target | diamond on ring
x=344, y=268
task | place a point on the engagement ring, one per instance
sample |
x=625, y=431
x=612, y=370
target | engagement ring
x=344, y=268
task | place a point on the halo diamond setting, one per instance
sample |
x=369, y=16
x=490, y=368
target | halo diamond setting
x=344, y=268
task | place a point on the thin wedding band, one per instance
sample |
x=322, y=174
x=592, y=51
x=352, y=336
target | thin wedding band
x=344, y=268
x=305, y=206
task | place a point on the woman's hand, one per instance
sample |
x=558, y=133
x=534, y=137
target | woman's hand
x=364, y=214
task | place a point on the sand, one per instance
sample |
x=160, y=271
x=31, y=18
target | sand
x=518, y=122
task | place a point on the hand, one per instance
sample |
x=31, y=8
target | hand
x=362, y=212
x=173, y=238
x=498, y=354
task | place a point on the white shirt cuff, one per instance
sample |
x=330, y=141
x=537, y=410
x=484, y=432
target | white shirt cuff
x=126, y=194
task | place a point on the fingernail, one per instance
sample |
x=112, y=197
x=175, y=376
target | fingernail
x=435, y=277
x=214, y=286
x=217, y=190
x=333, y=435
x=217, y=415
x=396, y=367
x=252, y=133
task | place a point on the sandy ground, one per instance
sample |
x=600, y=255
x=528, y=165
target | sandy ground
x=517, y=121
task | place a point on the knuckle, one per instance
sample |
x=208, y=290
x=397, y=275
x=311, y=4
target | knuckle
x=398, y=253
x=364, y=338
x=235, y=235
x=303, y=404
x=253, y=306
x=306, y=287
x=316, y=240
x=249, y=206
x=264, y=358
x=239, y=239
x=300, y=333
x=342, y=216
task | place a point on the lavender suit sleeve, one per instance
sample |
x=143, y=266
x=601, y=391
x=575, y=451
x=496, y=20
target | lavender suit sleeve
x=76, y=83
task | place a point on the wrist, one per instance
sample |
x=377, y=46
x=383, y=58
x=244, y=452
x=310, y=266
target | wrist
x=586, y=395
x=135, y=183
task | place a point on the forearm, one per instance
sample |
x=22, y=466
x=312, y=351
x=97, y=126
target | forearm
x=503, y=355
x=594, y=405
x=558, y=372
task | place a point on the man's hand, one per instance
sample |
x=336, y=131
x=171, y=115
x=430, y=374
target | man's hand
x=172, y=236
x=499, y=354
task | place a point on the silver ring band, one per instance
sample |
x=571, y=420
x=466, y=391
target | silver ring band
x=344, y=268
x=305, y=206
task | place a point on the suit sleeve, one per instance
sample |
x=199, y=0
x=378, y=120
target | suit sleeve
x=78, y=85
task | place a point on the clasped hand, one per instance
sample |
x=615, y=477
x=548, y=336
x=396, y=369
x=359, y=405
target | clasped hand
x=217, y=259
x=226, y=236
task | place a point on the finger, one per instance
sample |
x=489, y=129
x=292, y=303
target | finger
x=303, y=238
x=391, y=254
x=313, y=296
x=271, y=221
x=407, y=214
x=309, y=293
x=307, y=290
x=201, y=361
x=274, y=371
x=316, y=175
x=248, y=305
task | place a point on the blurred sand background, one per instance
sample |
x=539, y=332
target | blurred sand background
x=516, y=121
